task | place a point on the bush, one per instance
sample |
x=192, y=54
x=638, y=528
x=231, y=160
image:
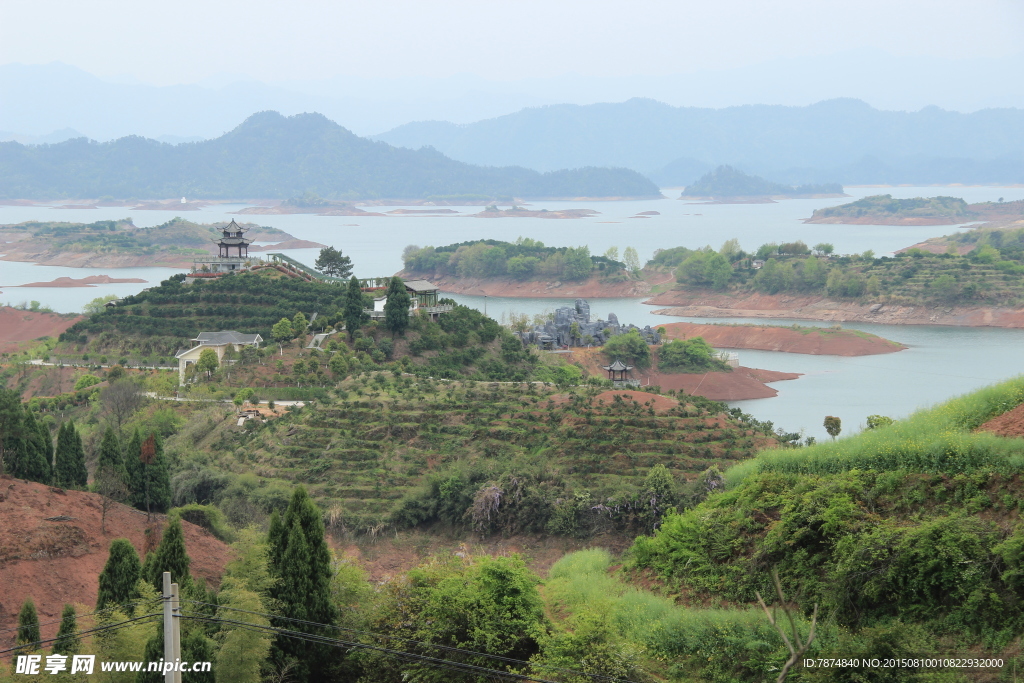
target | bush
x=207, y=517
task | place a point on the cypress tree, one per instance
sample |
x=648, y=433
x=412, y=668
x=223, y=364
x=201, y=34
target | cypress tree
x=68, y=642
x=170, y=556
x=10, y=429
x=352, y=313
x=158, y=477
x=28, y=625
x=32, y=463
x=302, y=561
x=69, y=462
x=46, y=448
x=111, y=456
x=396, y=308
x=119, y=576
x=275, y=544
x=136, y=471
x=79, y=472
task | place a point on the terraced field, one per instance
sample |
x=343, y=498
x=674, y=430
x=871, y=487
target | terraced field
x=371, y=459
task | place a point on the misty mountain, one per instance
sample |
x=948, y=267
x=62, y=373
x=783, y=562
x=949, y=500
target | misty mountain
x=841, y=140
x=272, y=156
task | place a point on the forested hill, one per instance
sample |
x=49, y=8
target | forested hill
x=273, y=156
x=726, y=181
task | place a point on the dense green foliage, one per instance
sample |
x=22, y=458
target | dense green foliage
x=914, y=522
x=169, y=556
x=69, y=458
x=301, y=562
x=523, y=259
x=689, y=355
x=28, y=624
x=25, y=442
x=396, y=308
x=629, y=348
x=726, y=181
x=119, y=577
x=501, y=459
x=68, y=642
x=884, y=206
x=986, y=275
x=269, y=155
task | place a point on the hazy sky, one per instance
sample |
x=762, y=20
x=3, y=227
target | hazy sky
x=186, y=41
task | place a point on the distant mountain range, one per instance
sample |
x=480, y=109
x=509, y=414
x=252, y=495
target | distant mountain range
x=840, y=140
x=272, y=156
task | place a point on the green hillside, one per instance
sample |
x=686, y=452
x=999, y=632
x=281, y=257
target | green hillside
x=398, y=451
x=272, y=156
x=885, y=206
x=909, y=536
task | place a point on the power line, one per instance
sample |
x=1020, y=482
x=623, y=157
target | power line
x=82, y=616
x=323, y=640
x=410, y=640
x=89, y=632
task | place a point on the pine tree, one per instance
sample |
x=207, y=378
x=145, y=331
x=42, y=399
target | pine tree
x=302, y=560
x=62, y=458
x=170, y=556
x=136, y=471
x=119, y=576
x=111, y=457
x=158, y=477
x=28, y=625
x=32, y=463
x=396, y=308
x=10, y=428
x=68, y=642
x=352, y=312
x=81, y=474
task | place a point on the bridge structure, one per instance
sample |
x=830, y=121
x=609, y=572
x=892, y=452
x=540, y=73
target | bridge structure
x=298, y=266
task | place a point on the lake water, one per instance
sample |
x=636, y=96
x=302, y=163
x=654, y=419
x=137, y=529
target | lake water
x=941, y=362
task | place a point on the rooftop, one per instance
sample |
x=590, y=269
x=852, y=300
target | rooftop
x=227, y=337
x=420, y=286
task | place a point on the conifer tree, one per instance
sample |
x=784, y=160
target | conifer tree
x=61, y=460
x=32, y=463
x=396, y=308
x=352, y=312
x=158, y=476
x=302, y=562
x=28, y=625
x=110, y=456
x=136, y=471
x=119, y=576
x=10, y=430
x=68, y=642
x=170, y=556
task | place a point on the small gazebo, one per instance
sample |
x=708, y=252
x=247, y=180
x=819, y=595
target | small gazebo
x=618, y=368
x=233, y=238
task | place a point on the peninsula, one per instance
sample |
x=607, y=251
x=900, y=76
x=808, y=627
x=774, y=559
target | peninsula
x=728, y=185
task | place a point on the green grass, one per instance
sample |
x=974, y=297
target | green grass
x=681, y=643
x=935, y=440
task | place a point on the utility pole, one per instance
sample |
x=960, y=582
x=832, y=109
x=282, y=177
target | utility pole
x=172, y=635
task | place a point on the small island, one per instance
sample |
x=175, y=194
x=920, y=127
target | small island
x=883, y=209
x=728, y=185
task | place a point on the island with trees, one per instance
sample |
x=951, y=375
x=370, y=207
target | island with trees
x=728, y=184
x=884, y=209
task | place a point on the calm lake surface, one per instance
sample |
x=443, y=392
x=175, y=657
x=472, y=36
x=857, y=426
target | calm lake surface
x=941, y=361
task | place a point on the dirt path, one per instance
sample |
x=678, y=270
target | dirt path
x=703, y=304
x=809, y=340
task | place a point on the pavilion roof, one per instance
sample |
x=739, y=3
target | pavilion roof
x=617, y=366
